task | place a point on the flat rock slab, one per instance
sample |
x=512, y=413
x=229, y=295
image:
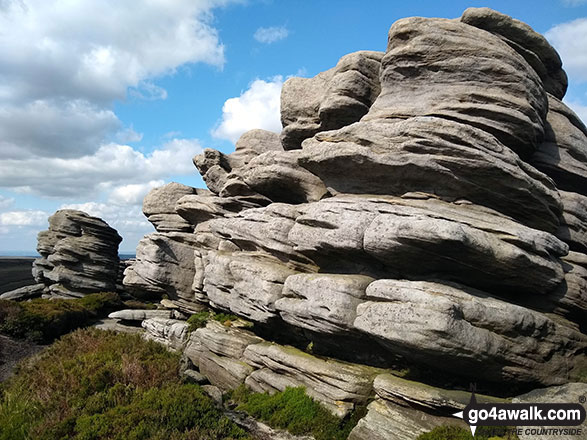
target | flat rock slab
x=403, y=391
x=140, y=315
x=568, y=393
x=26, y=292
x=336, y=384
x=386, y=421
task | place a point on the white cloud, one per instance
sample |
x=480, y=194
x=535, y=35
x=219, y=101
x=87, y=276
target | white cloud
x=574, y=2
x=128, y=135
x=171, y=134
x=129, y=221
x=45, y=128
x=63, y=64
x=5, y=202
x=148, y=91
x=271, y=34
x=111, y=165
x=24, y=218
x=133, y=194
x=97, y=48
x=256, y=107
x=578, y=108
x=570, y=40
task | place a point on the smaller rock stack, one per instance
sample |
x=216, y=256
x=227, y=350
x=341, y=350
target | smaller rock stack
x=79, y=255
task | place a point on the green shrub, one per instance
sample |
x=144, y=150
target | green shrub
x=93, y=385
x=43, y=320
x=200, y=319
x=457, y=433
x=296, y=412
x=224, y=318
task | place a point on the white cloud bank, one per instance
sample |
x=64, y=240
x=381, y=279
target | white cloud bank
x=111, y=165
x=256, y=107
x=271, y=34
x=133, y=194
x=570, y=40
x=62, y=64
x=129, y=221
x=23, y=218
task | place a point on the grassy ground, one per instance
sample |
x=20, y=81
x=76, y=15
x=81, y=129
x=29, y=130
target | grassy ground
x=295, y=412
x=93, y=385
x=43, y=320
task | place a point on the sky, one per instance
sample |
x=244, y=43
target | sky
x=103, y=100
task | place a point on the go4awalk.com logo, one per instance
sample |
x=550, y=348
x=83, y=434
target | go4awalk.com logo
x=564, y=418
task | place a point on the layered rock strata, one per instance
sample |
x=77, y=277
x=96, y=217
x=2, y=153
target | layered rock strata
x=79, y=255
x=425, y=206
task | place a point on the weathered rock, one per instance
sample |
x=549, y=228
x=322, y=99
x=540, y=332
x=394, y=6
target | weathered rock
x=453, y=71
x=264, y=229
x=325, y=303
x=433, y=155
x=401, y=183
x=214, y=393
x=164, y=265
x=193, y=349
x=194, y=376
x=452, y=237
x=406, y=392
x=386, y=421
x=140, y=315
x=26, y=292
x=277, y=176
x=337, y=385
x=197, y=209
x=535, y=49
x=172, y=333
x=563, y=153
x=400, y=241
x=169, y=304
x=79, y=255
x=225, y=341
x=159, y=207
x=116, y=325
x=571, y=297
x=252, y=144
x=444, y=326
x=245, y=283
x=568, y=393
x=573, y=228
x=214, y=167
x=331, y=99
x=224, y=372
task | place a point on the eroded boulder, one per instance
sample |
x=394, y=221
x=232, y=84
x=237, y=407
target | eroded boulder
x=159, y=207
x=331, y=99
x=79, y=255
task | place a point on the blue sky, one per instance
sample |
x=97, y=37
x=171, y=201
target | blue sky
x=102, y=100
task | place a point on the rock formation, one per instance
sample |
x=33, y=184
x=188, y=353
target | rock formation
x=425, y=207
x=79, y=255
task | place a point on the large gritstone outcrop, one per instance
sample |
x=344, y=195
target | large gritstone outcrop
x=79, y=255
x=425, y=207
